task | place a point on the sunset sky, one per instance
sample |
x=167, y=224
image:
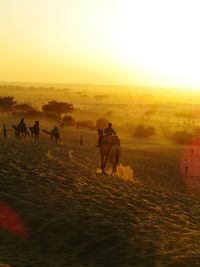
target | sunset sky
x=122, y=42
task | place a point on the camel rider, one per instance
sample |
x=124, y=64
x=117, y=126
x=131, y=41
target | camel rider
x=109, y=130
x=22, y=124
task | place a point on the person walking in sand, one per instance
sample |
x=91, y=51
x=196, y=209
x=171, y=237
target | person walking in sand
x=4, y=130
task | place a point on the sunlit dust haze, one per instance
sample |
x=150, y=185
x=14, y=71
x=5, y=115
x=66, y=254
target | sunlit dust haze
x=122, y=42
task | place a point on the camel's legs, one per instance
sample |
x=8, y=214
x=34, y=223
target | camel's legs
x=103, y=161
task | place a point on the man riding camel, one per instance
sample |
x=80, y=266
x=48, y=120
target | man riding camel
x=109, y=148
x=109, y=130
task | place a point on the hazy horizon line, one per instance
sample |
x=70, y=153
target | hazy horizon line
x=92, y=84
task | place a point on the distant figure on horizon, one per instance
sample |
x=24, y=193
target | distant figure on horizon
x=35, y=130
x=109, y=130
x=4, y=131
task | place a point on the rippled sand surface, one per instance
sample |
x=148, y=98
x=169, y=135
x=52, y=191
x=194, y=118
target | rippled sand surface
x=77, y=217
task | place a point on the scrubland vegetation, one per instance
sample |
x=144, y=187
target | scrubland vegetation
x=171, y=116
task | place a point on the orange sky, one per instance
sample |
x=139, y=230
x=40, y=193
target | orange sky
x=130, y=42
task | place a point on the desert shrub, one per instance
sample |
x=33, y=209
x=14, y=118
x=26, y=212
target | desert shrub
x=27, y=111
x=128, y=128
x=182, y=137
x=148, y=113
x=23, y=107
x=197, y=132
x=67, y=119
x=53, y=116
x=102, y=123
x=101, y=97
x=144, y=131
x=54, y=109
x=109, y=113
x=84, y=96
x=85, y=124
x=166, y=132
x=7, y=103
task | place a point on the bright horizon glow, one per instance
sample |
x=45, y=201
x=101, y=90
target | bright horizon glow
x=122, y=42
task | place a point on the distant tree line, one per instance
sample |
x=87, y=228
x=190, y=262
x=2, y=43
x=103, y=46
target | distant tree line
x=53, y=109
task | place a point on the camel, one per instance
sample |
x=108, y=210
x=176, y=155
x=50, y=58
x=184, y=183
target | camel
x=35, y=131
x=110, y=150
x=20, y=132
x=54, y=133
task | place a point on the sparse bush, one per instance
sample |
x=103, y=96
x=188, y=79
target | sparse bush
x=7, y=104
x=166, y=132
x=182, y=137
x=102, y=123
x=142, y=131
x=109, y=113
x=148, y=113
x=27, y=111
x=67, y=119
x=55, y=109
x=128, y=128
x=85, y=124
x=84, y=96
x=197, y=132
x=101, y=97
x=53, y=116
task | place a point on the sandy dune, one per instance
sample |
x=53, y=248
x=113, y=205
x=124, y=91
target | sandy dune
x=77, y=217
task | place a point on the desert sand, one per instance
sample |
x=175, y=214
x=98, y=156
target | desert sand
x=75, y=216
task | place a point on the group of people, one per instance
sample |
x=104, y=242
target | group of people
x=21, y=131
x=108, y=141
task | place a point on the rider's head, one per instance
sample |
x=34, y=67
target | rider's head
x=109, y=124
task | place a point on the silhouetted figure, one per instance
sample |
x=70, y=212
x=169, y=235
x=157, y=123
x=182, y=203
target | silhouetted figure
x=110, y=150
x=56, y=134
x=81, y=140
x=100, y=134
x=109, y=130
x=17, y=134
x=22, y=129
x=35, y=131
x=4, y=131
